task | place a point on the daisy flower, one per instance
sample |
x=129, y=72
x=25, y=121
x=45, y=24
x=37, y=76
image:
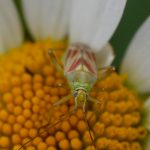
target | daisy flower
x=27, y=78
x=136, y=64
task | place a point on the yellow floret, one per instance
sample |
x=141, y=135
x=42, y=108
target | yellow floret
x=51, y=141
x=16, y=139
x=4, y=142
x=81, y=126
x=73, y=134
x=6, y=129
x=42, y=146
x=3, y=115
x=51, y=148
x=64, y=144
x=65, y=126
x=76, y=144
x=59, y=136
x=29, y=86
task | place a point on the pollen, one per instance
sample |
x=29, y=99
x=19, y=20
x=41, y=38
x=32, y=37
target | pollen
x=30, y=85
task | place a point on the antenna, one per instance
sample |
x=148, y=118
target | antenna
x=48, y=126
x=89, y=129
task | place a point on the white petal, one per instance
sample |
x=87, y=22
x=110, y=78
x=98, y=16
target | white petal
x=94, y=21
x=146, y=108
x=137, y=59
x=46, y=18
x=31, y=9
x=6, y=32
x=1, y=45
x=55, y=15
x=10, y=26
x=105, y=56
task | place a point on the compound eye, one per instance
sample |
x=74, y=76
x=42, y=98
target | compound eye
x=75, y=94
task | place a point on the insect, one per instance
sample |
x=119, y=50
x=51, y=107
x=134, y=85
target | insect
x=80, y=69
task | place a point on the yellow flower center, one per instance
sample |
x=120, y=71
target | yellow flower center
x=27, y=94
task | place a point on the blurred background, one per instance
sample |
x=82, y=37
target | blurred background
x=136, y=12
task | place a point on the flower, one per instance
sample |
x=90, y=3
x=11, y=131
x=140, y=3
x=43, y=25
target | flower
x=57, y=19
x=10, y=26
x=136, y=64
x=27, y=77
x=93, y=31
x=27, y=96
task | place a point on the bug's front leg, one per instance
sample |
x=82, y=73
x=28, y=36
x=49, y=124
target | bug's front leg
x=54, y=61
x=62, y=100
x=95, y=100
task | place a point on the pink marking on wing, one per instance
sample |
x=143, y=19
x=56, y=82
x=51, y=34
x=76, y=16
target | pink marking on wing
x=68, y=53
x=74, y=65
x=94, y=57
x=89, y=54
x=74, y=52
x=71, y=53
x=89, y=66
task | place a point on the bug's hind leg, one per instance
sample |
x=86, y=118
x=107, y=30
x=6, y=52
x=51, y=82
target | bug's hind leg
x=108, y=68
x=98, y=105
x=89, y=128
x=62, y=100
x=59, y=102
x=105, y=71
x=96, y=100
x=54, y=61
x=48, y=126
x=51, y=110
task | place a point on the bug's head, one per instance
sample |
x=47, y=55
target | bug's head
x=80, y=95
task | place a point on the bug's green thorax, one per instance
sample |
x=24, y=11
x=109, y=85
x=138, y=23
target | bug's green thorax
x=79, y=85
x=81, y=80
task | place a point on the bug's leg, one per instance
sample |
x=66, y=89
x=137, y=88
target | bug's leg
x=95, y=100
x=105, y=71
x=54, y=60
x=58, y=85
x=61, y=118
x=98, y=107
x=84, y=105
x=50, y=125
x=59, y=102
x=47, y=127
x=76, y=104
x=63, y=100
x=108, y=68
